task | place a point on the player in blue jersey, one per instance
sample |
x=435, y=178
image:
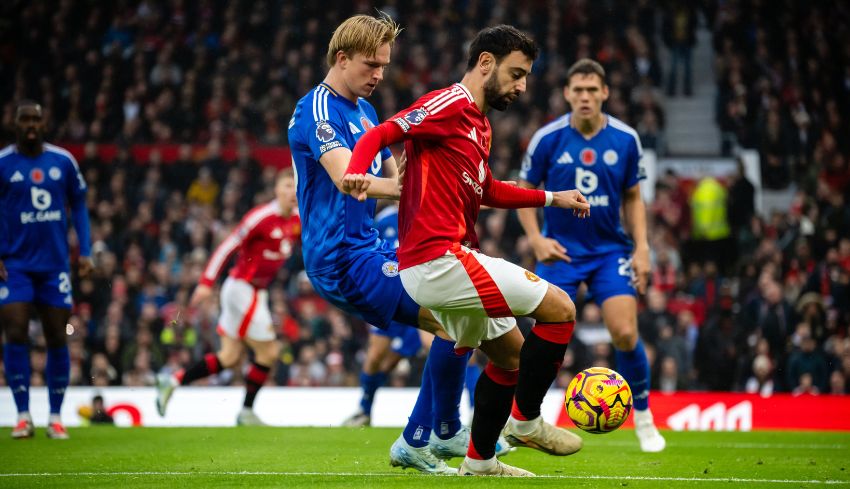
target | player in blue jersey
x=600, y=156
x=345, y=259
x=38, y=181
x=388, y=346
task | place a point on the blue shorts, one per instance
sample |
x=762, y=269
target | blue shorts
x=404, y=340
x=606, y=275
x=367, y=285
x=48, y=288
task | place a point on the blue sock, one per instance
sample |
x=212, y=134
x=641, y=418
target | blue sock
x=370, y=384
x=634, y=367
x=447, y=371
x=418, y=429
x=16, y=360
x=472, y=373
x=57, y=371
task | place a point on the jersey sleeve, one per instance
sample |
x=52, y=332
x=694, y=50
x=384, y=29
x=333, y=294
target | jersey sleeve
x=635, y=172
x=226, y=249
x=76, y=189
x=433, y=116
x=536, y=160
x=323, y=131
x=373, y=118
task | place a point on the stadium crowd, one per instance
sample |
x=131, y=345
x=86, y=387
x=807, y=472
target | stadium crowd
x=210, y=74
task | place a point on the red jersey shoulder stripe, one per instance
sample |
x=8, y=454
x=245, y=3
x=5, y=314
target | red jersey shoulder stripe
x=227, y=247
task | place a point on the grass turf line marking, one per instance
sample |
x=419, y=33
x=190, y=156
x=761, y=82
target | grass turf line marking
x=387, y=474
x=784, y=446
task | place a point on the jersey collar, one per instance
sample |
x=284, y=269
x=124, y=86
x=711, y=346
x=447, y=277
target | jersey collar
x=573, y=126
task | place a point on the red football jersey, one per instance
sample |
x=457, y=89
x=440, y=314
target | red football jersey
x=447, y=140
x=264, y=239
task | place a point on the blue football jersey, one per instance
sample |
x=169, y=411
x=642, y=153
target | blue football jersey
x=386, y=222
x=601, y=168
x=34, y=196
x=333, y=223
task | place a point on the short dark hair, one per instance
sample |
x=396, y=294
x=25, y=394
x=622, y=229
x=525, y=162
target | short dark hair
x=501, y=40
x=586, y=66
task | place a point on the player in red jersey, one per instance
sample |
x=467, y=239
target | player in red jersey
x=447, y=139
x=264, y=240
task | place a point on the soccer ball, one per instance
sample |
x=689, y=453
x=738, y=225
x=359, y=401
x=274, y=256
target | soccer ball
x=598, y=400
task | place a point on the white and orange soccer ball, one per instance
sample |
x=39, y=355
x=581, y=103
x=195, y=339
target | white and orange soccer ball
x=598, y=400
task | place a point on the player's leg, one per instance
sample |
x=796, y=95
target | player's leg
x=58, y=369
x=265, y=354
x=14, y=318
x=473, y=372
x=238, y=301
x=620, y=316
x=612, y=287
x=373, y=375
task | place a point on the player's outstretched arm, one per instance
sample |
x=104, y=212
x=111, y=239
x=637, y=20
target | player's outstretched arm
x=356, y=181
x=335, y=163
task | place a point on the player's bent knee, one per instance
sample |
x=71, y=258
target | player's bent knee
x=623, y=336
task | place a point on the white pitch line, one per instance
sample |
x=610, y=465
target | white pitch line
x=372, y=474
x=784, y=446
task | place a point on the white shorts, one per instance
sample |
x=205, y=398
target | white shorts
x=474, y=296
x=245, y=311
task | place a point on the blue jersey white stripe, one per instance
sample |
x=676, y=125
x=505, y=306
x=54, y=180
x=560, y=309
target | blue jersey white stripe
x=602, y=168
x=333, y=224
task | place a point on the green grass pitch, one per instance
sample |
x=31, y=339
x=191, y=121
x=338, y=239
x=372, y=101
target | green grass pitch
x=345, y=457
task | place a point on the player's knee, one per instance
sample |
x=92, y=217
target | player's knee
x=623, y=337
x=269, y=353
x=566, y=307
x=228, y=358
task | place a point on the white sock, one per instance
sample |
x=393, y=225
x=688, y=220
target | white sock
x=480, y=465
x=25, y=416
x=54, y=418
x=524, y=427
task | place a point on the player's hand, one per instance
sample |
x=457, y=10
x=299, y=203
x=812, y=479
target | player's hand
x=641, y=268
x=572, y=199
x=4, y=275
x=85, y=266
x=201, y=294
x=356, y=185
x=548, y=250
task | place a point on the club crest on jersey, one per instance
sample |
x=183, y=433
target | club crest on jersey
x=390, y=269
x=531, y=277
x=587, y=156
x=37, y=175
x=366, y=123
x=4, y=293
x=54, y=173
x=416, y=116
x=610, y=157
x=324, y=132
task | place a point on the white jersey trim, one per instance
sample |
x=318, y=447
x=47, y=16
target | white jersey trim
x=235, y=239
x=622, y=126
x=557, y=124
x=320, y=104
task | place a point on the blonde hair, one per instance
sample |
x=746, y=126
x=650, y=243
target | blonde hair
x=362, y=34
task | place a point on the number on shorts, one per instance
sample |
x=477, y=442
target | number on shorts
x=625, y=268
x=64, y=283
